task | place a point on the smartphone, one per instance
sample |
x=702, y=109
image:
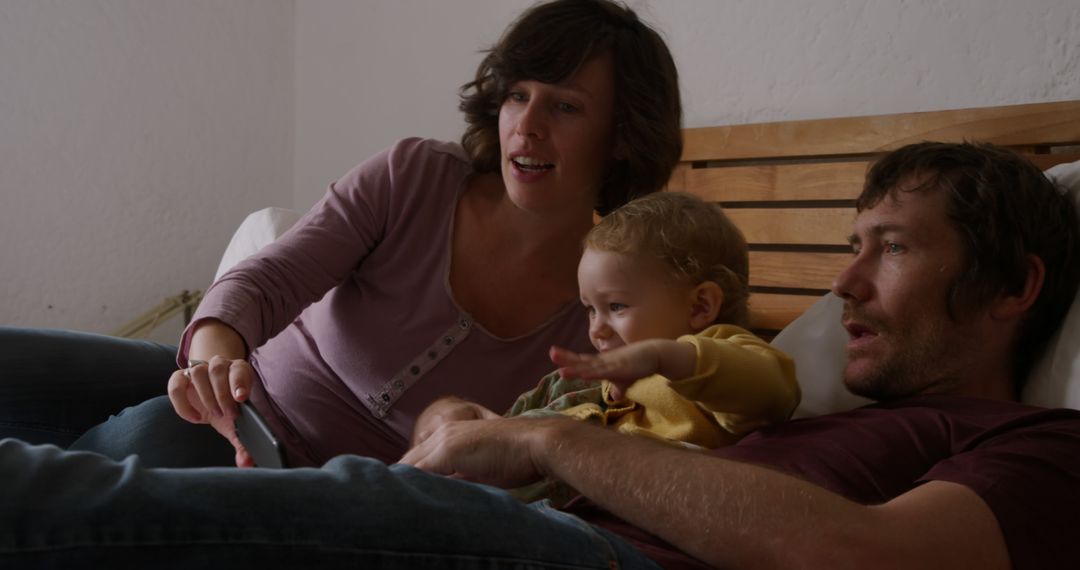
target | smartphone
x=263, y=446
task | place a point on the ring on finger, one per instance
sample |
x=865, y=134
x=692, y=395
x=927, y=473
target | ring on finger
x=192, y=363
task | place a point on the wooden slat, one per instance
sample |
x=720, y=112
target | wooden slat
x=801, y=226
x=820, y=181
x=1045, y=161
x=809, y=181
x=796, y=269
x=774, y=312
x=677, y=182
x=797, y=161
x=1012, y=125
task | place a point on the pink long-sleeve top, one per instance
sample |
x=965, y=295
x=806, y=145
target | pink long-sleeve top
x=353, y=323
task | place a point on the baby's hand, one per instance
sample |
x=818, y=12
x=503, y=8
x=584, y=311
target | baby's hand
x=621, y=366
x=625, y=365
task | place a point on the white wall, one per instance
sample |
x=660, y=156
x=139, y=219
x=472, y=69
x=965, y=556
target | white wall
x=134, y=137
x=370, y=72
x=135, y=134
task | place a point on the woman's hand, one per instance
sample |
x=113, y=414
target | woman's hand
x=207, y=392
x=210, y=389
x=445, y=410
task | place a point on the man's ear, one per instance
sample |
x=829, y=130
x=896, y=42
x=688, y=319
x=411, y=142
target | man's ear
x=1013, y=305
x=705, y=303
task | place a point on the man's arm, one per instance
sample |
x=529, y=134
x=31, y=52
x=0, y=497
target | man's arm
x=723, y=512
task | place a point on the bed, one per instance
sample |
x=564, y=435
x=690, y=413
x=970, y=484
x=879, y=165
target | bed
x=791, y=187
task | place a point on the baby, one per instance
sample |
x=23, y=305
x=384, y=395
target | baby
x=664, y=280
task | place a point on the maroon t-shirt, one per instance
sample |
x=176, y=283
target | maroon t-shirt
x=1024, y=461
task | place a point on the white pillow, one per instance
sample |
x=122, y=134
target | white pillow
x=816, y=341
x=1055, y=378
x=257, y=230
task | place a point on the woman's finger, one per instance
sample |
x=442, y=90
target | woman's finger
x=240, y=378
x=200, y=380
x=242, y=458
x=218, y=372
x=179, y=383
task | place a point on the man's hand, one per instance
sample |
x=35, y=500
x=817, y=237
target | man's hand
x=624, y=365
x=501, y=452
x=444, y=410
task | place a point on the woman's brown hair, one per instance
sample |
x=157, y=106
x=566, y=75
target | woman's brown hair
x=549, y=43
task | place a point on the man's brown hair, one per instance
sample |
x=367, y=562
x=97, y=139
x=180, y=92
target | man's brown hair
x=1005, y=209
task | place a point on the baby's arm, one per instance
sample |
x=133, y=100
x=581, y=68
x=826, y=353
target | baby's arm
x=741, y=379
x=624, y=365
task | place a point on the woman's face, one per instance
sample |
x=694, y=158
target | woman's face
x=557, y=140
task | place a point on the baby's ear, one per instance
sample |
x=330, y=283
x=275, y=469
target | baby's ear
x=706, y=300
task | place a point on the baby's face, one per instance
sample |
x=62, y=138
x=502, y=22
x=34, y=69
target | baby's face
x=631, y=298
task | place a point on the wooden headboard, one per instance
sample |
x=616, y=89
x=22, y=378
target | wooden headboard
x=791, y=186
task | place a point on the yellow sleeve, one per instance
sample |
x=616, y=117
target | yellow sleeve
x=742, y=380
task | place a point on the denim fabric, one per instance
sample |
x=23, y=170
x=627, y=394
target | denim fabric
x=153, y=431
x=74, y=509
x=56, y=384
x=58, y=387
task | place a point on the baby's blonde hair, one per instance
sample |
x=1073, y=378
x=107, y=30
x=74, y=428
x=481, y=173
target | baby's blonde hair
x=694, y=238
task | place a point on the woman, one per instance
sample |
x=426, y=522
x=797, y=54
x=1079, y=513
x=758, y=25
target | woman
x=432, y=268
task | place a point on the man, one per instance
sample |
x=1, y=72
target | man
x=964, y=260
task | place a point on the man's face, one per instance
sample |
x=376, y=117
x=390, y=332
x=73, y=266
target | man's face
x=902, y=341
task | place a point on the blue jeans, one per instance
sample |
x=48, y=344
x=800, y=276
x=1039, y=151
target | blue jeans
x=57, y=386
x=74, y=509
